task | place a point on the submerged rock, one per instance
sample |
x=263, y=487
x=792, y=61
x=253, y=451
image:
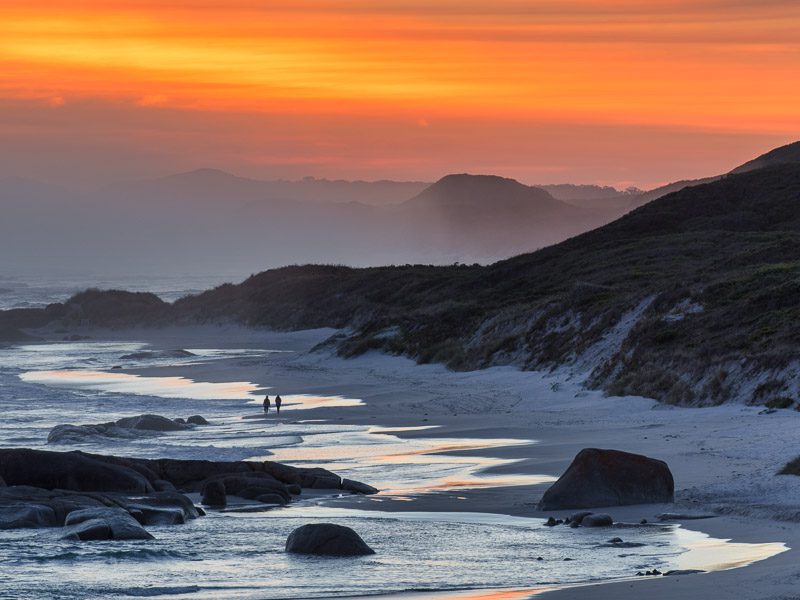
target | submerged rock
x=151, y=423
x=327, y=539
x=610, y=478
x=126, y=428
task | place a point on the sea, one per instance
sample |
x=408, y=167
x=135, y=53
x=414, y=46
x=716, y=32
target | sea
x=239, y=554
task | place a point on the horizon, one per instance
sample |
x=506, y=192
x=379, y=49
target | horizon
x=589, y=93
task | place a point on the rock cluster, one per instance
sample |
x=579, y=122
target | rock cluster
x=42, y=489
x=125, y=428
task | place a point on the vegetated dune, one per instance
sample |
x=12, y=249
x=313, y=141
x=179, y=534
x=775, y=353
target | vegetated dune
x=691, y=299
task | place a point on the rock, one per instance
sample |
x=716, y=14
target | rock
x=610, y=478
x=146, y=514
x=578, y=517
x=357, y=487
x=180, y=420
x=326, y=483
x=85, y=472
x=682, y=517
x=25, y=506
x=600, y=520
x=161, y=485
x=327, y=539
x=251, y=486
x=683, y=572
x=271, y=499
x=150, y=423
x=68, y=471
x=169, y=501
x=103, y=524
x=2, y=482
x=32, y=516
x=214, y=495
x=126, y=428
x=618, y=543
x=197, y=420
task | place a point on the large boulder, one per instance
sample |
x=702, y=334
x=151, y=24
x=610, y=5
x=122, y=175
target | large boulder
x=68, y=471
x=327, y=539
x=610, y=478
x=103, y=524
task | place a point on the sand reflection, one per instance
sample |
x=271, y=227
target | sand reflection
x=720, y=554
x=125, y=383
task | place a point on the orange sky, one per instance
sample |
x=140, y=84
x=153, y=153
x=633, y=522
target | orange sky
x=612, y=91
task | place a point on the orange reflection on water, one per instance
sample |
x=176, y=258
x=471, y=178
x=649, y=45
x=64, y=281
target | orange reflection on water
x=495, y=594
x=714, y=554
x=126, y=383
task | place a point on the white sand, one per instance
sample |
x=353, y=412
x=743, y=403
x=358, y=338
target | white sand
x=724, y=459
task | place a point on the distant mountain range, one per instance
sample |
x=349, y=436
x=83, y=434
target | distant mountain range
x=209, y=221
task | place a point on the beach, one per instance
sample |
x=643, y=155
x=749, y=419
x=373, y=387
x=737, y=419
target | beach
x=504, y=435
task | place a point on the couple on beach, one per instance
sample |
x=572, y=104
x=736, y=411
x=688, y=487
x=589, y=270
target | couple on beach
x=278, y=402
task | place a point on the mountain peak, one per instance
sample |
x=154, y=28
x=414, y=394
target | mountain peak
x=464, y=189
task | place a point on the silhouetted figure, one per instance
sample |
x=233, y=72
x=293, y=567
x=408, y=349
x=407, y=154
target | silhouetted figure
x=278, y=403
x=266, y=404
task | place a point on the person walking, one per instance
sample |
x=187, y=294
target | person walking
x=278, y=403
x=266, y=404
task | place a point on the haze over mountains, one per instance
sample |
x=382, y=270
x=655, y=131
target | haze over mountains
x=209, y=221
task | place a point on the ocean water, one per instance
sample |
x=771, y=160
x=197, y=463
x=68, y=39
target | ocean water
x=33, y=291
x=240, y=554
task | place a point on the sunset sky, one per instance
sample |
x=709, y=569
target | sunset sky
x=602, y=91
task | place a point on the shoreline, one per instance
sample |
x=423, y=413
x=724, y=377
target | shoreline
x=562, y=417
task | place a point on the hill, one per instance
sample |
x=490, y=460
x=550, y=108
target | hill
x=691, y=299
x=474, y=216
x=788, y=154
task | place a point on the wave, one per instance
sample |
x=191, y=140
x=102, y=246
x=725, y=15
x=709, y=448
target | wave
x=133, y=554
